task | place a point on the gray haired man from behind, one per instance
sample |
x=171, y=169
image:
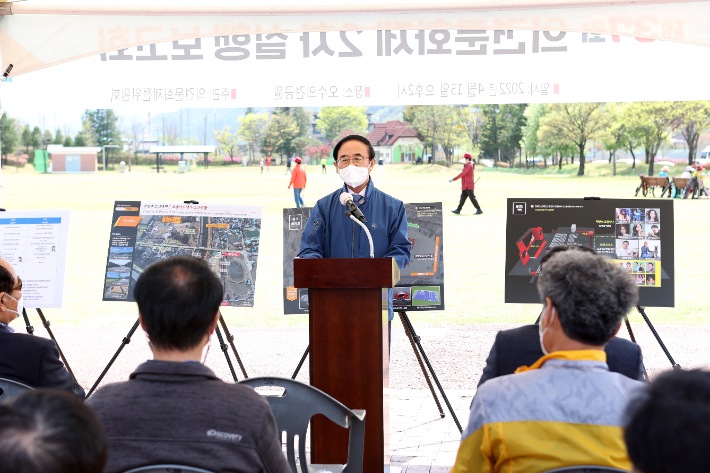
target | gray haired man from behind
x=173, y=409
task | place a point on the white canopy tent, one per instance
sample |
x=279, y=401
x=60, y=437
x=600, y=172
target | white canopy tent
x=39, y=34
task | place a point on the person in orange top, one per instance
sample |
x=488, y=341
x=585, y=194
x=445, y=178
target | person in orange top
x=298, y=181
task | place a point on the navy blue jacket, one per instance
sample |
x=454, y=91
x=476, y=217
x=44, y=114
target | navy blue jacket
x=521, y=347
x=329, y=233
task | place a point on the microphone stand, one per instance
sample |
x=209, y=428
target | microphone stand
x=367, y=232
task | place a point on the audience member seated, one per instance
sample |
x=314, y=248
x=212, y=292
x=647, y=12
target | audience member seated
x=173, y=409
x=50, y=431
x=669, y=425
x=565, y=409
x=29, y=359
x=521, y=346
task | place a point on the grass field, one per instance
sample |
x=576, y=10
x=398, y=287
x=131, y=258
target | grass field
x=474, y=246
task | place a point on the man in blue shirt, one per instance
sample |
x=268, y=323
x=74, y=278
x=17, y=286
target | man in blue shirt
x=329, y=233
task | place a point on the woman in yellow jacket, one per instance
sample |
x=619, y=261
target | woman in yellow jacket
x=298, y=181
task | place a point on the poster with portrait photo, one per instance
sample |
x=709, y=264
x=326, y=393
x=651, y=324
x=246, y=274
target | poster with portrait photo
x=653, y=231
x=651, y=267
x=653, y=215
x=534, y=226
x=650, y=249
x=638, y=214
x=650, y=279
x=623, y=215
x=627, y=249
x=623, y=230
x=637, y=231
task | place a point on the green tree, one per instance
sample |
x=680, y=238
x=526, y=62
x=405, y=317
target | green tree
x=302, y=143
x=333, y=120
x=79, y=140
x=410, y=113
x=9, y=137
x=251, y=130
x=228, y=141
x=36, y=139
x=693, y=119
x=575, y=122
x=27, y=139
x=652, y=122
x=533, y=115
x=284, y=130
x=502, y=130
x=438, y=122
x=102, y=126
x=47, y=138
x=68, y=142
x=470, y=123
x=58, y=138
x=615, y=135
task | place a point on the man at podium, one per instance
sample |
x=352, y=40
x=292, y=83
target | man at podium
x=329, y=233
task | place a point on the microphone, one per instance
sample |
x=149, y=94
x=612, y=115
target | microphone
x=347, y=200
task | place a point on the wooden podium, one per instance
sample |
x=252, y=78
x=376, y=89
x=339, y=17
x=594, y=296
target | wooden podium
x=349, y=350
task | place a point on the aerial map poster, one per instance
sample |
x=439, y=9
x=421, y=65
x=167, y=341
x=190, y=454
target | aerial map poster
x=226, y=236
x=34, y=242
x=636, y=235
x=421, y=286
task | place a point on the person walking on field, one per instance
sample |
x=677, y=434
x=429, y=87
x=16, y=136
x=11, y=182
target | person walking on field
x=323, y=162
x=466, y=177
x=268, y=164
x=261, y=163
x=298, y=181
x=288, y=166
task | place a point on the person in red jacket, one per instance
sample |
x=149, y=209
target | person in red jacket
x=298, y=181
x=466, y=177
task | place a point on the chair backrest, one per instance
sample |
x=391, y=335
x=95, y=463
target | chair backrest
x=10, y=389
x=294, y=410
x=587, y=469
x=168, y=469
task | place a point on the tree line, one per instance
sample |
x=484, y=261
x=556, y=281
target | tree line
x=507, y=133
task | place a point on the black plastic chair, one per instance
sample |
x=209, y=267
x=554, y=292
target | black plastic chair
x=293, y=411
x=10, y=389
x=587, y=469
x=168, y=469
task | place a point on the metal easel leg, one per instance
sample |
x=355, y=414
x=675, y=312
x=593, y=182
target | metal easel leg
x=223, y=347
x=633, y=339
x=46, y=324
x=126, y=341
x=300, y=363
x=675, y=365
x=230, y=339
x=421, y=365
x=410, y=327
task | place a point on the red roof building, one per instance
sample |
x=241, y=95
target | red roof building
x=395, y=142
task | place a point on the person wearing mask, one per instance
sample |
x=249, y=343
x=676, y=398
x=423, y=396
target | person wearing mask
x=567, y=408
x=28, y=359
x=329, y=233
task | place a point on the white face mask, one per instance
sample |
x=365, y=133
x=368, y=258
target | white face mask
x=354, y=176
x=543, y=332
x=20, y=304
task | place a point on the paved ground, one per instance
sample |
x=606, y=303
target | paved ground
x=420, y=440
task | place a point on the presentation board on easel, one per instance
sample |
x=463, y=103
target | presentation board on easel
x=421, y=285
x=35, y=242
x=636, y=235
x=226, y=236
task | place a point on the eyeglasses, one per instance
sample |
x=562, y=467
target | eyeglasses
x=357, y=160
x=18, y=286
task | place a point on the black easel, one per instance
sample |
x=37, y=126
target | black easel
x=223, y=346
x=641, y=311
x=414, y=340
x=30, y=329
